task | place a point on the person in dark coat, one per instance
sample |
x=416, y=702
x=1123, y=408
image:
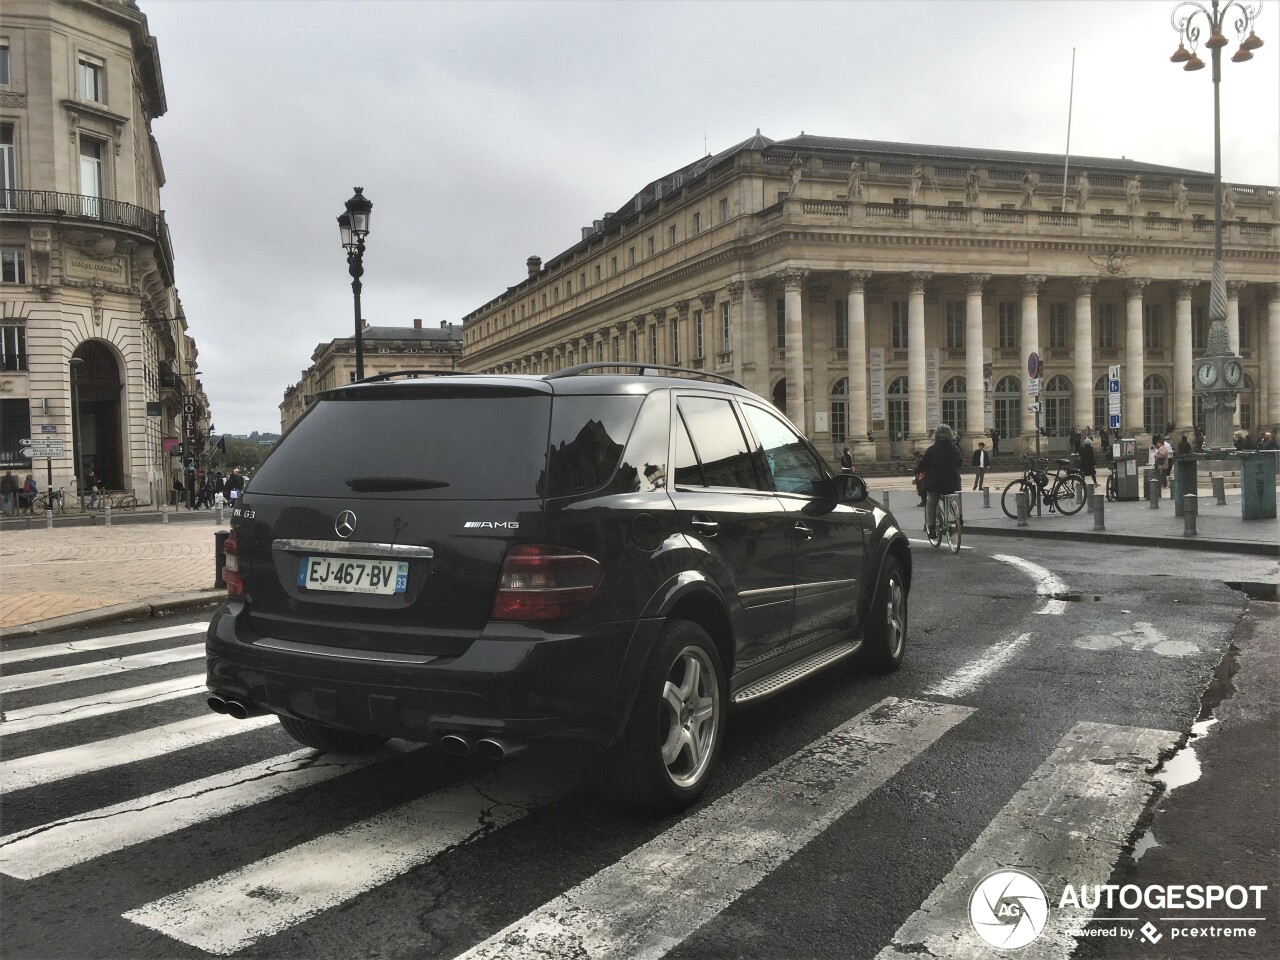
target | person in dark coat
x=1088, y=468
x=995, y=442
x=1184, y=445
x=940, y=466
x=234, y=487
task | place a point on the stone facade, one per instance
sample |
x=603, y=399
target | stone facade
x=95, y=345
x=386, y=350
x=916, y=281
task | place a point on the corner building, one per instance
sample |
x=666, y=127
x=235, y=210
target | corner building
x=94, y=346
x=872, y=290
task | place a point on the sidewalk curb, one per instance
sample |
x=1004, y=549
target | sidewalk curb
x=139, y=610
x=1254, y=548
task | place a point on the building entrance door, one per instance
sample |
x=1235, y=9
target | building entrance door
x=899, y=418
x=98, y=415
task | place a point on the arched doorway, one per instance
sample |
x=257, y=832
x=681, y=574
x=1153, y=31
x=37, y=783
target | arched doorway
x=1008, y=407
x=95, y=425
x=840, y=411
x=955, y=405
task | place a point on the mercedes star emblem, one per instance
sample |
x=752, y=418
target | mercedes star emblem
x=345, y=525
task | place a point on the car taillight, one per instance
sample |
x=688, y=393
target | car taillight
x=544, y=583
x=231, y=567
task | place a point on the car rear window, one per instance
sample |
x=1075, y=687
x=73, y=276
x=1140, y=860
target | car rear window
x=421, y=446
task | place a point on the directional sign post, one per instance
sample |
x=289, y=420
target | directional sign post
x=49, y=449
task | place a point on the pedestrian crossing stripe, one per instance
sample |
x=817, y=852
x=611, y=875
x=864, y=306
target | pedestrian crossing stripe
x=102, y=643
x=26, y=719
x=99, y=668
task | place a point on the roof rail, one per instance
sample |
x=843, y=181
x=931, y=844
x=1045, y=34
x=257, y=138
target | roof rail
x=379, y=377
x=640, y=369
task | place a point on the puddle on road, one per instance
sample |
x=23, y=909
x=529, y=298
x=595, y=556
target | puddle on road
x=1072, y=597
x=1184, y=766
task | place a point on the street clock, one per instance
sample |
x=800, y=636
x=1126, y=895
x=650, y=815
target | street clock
x=1206, y=373
x=1232, y=373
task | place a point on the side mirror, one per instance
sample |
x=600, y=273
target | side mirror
x=854, y=488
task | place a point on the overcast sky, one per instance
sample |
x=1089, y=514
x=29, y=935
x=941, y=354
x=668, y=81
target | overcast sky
x=485, y=132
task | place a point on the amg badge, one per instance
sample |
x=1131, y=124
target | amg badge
x=491, y=525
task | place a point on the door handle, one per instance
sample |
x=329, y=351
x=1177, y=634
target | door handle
x=803, y=531
x=708, y=527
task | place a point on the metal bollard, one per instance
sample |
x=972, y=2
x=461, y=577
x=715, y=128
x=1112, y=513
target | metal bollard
x=1099, y=502
x=1090, y=493
x=1220, y=491
x=1189, y=511
x=219, y=520
x=106, y=515
x=884, y=498
x=48, y=519
x=986, y=497
x=164, y=513
x=1024, y=507
x=1153, y=493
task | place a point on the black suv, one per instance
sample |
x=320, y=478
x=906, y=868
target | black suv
x=586, y=559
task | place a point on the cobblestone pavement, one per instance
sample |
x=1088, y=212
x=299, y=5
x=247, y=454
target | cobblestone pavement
x=52, y=573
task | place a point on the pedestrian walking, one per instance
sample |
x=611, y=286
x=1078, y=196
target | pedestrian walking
x=8, y=493
x=27, y=495
x=1088, y=467
x=846, y=461
x=995, y=442
x=234, y=487
x=91, y=486
x=981, y=463
x=940, y=469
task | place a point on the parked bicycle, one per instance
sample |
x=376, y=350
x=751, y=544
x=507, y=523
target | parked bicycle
x=1064, y=492
x=1113, y=485
x=949, y=523
x=49, y=500
x=117, y=500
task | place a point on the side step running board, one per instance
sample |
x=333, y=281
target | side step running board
x=797, y=671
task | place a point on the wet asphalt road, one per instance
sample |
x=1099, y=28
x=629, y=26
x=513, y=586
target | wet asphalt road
x=1008, y=677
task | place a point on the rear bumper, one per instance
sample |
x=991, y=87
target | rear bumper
x=530, y=686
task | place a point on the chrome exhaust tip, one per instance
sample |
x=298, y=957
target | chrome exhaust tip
x=237, y=709
x=217, y=704
x=455, y=744
x=495, y=748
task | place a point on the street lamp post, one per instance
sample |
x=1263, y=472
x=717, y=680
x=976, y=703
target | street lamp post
x=76, y=363
x=354, y=227
x=1218, y=373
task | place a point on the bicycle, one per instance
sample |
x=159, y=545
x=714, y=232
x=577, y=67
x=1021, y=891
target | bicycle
x=49, y=500
x=950, y=522
x=1113, y=486
x=1063, y=492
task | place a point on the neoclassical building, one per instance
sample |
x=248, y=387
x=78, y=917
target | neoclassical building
x=386, y=350
x=94, y=346
x=873, y=290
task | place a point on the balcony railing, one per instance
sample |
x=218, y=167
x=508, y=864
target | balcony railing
x=77, y=206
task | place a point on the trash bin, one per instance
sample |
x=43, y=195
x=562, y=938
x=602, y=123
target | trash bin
x=220, y=559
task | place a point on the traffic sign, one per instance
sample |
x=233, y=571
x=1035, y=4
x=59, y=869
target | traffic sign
x=1033, y=387
x=44, y=452
x=1033, y=364
x=1033, y=407
x=1113, y=404
x=1113, y=372
x=49, y=428
x=1114, y=420
x=1113, y=386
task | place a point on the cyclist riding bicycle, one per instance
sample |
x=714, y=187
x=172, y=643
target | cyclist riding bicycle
x=940, y=465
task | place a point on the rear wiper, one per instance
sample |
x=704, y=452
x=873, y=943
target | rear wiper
x=391, y=484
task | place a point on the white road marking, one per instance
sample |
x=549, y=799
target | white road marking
x=41, y=768
x=102, y=643
x=967, y=679
x=99, y=668
x=1047, y=582
x=930, y=543
x=1068, y=823
x=97, y=705
x=652, y=899
x=239, y=908
x=63, y=843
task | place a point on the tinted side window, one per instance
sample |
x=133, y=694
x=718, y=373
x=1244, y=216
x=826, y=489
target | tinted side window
x=719, y=443
x=644, y=462
x=587, y=437
x=790, y=461
x=688, y=470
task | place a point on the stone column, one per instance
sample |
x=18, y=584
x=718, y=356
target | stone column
x=737, y=332
x=792, y=288
x=1134, y=368
x=856, y=315
x=917, y=423
x=974, y=350
x=1180, y=414
x=1234, y=289
x=660, y=322
x=1082, y=398
x=1271, y=362
x=1030, y=344
x=756, y=324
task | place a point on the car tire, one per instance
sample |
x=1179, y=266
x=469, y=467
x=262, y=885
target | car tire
x=884, y=638
x=311, y=734
x=671, y=743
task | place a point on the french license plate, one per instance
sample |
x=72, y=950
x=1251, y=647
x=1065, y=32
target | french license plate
x=343, y=575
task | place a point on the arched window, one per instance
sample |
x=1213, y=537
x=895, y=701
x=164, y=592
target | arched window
x=1154, y=398
x=840, y=410
x=954, y=405
x=1008, y=407
x=1057, y=406
x=899, y=409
